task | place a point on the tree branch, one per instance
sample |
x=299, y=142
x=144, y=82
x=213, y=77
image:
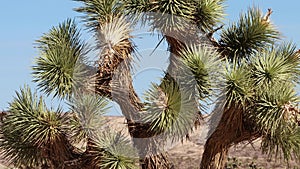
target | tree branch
x=266, y=18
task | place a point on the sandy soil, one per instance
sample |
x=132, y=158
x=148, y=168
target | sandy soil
x=188, y=154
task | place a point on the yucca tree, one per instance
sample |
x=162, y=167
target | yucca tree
x=247, y=72
x=34, y=136
x=258, y=97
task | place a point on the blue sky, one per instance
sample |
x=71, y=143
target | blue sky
x=22, y=22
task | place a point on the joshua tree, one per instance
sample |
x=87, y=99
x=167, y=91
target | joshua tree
x=249, y=73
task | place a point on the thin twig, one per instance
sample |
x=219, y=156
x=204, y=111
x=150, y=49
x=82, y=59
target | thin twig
x=157, y=45
x=266, y=18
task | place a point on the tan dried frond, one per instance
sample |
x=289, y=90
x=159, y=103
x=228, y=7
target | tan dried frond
x=291, y=112
x=116, y=47
x=115, y=55
x=162, y=100
x=114, y=37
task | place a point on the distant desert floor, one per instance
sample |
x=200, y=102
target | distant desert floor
x=188, y=154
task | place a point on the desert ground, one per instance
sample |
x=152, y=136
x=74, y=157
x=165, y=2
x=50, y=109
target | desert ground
x=188, y=154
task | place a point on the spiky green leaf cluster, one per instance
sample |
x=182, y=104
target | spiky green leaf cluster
x=280, y=65
x=237, y=85
x=268, y=68
x=113, y=150
x=60, y=65
x=285, y=146
x=136, y=9
x=170, y=109
x=270, y=107
x=249, y=35
x=275, y=114
x=208, y=14
x=32, y=135
x=263, y=88
x=170, y=15
x=97, y=12
x=204, y=64
x=177, y=15
x=88, y=110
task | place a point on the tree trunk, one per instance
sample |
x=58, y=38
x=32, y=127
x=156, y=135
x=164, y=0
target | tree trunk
x=215, y=153
x=230, y=130
x=143, y=139
x=113, y=79
x=159, y=161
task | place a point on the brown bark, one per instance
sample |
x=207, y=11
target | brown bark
x=113, y=80
x=230, y=130
x=159, y=161
x=131, y=107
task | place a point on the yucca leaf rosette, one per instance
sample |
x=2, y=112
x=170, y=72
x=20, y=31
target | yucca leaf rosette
x=31, y=134
x=248, y=35
x=170, y=109
x=113, y=150
x=61, y=64
x=88, y=110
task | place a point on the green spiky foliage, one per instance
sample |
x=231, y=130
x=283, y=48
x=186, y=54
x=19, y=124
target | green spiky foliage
x=97, y=12
x=249, y=35
x=204, y=65
x=275, y=113
x=174, y=15
x=169, y=16
x=259, y=96
x=88, y=111
x=136, y=9
x=208, y=14
x=257, y=89
x=292, y=57
x=170, y=109
x=112, y=150
x=285, y=147
x=236, y=94
x=237, y=85
x=165, y=12
x=278, y=65
x=60, y=68
x=32, y=135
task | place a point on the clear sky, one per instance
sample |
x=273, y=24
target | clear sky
x=24, y=21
